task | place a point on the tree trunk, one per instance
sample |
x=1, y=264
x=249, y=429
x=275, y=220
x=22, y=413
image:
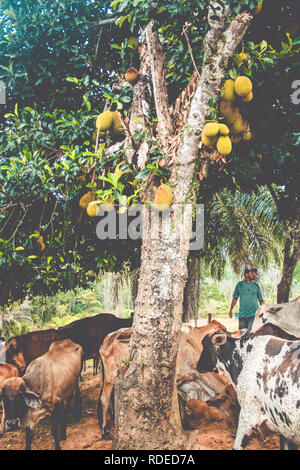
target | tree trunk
x=147, y=414
x=290, y=261
x=192, y=288
x=147, y=411
x=134, y=286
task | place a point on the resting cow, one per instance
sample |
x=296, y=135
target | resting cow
x=285, y=316
x=265, y=371
x=45, y=389
x=114, y=352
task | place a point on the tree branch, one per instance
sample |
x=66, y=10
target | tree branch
x=165, y=125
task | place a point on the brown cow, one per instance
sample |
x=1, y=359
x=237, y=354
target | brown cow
x=22, y=350
x=45, y=389
x=114, y=352
x=89, y=332
x=6, y=371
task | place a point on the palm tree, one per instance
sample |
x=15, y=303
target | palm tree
x=242, y=228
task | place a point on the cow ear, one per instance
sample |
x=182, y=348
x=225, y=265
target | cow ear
x=219, y=339
x=32, y=400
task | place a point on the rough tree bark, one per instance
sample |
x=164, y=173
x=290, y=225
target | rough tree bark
x=291, y=257
x=192, y=288
x=147, y=413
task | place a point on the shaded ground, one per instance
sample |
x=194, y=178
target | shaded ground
x=213, y=433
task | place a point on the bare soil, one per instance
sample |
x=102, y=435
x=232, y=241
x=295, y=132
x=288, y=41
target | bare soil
x=213, y=432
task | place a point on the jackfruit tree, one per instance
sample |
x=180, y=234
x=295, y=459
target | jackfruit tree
x=136, y=102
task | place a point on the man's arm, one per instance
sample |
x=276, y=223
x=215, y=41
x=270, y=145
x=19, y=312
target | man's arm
x=259, y=295
x=234, y=301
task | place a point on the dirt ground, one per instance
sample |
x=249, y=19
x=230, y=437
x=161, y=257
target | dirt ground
x=213, y=433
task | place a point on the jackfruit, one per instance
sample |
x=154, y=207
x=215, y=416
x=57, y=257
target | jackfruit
x=133, y=42
x=228, y=111
x=224, y=145
x=131, y=75
x=211, y=129
x=92, y=210
x=86, y=199
x=248, y=97
x=228, y=90
x=208, y=141
x=247, y=136
x=105, y=120
x=42, y=244
x=238, y=126
x=163, y=198
x=117, y=127
x=223, y=129
x=243, y=56
x=242, y=86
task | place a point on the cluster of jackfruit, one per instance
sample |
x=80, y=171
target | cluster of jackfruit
x=163, y=198
x=109, y=121
x=240, y=87
x=215, y=133
x=87, y=203
x=239, y=128
x=232, y=90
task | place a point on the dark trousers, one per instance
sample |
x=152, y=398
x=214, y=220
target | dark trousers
x=246, y=322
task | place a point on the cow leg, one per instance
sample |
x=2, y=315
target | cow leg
x=286, y=445
x=247, y=422
x=29, y=438
x=77, y=403
x=95, y=364
x=63, y=421
x=103, y=405
x=2, y=422
x=55, y=425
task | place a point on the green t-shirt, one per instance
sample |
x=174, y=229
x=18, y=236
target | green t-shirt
x=249, y=294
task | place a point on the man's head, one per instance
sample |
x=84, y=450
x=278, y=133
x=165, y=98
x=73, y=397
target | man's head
x=250, y=273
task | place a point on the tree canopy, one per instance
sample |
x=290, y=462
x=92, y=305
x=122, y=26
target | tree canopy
x=64, y=63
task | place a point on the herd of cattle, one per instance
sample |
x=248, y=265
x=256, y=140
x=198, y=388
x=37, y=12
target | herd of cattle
x=253, y=379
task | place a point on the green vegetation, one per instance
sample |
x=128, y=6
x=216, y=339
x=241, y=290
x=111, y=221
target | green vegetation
x=65, y=307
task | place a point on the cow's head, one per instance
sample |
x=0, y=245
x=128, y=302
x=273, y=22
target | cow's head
x=212, y=344
x=14, y=355
x=16, y=399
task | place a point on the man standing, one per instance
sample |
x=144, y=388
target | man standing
x=250, y=294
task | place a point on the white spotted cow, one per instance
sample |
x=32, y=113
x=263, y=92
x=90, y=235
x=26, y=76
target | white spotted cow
x=286, y=316
x=265, y=371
